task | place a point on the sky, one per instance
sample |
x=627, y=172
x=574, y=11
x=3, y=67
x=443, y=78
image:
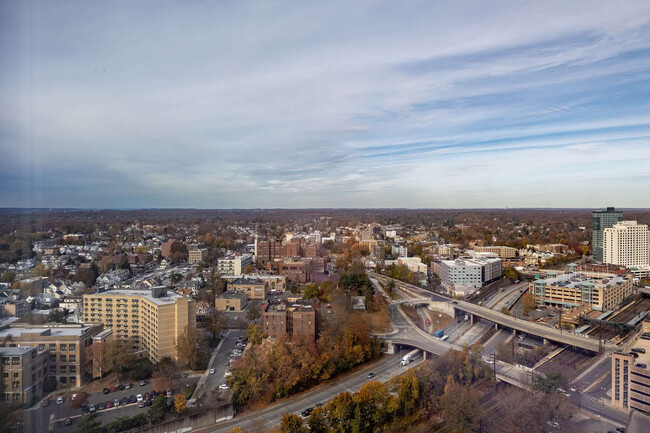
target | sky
x=416, y=104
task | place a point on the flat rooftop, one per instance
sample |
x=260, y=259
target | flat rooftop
x=230, y=294
x=15, y=351
x=47, y=331
x=168, y=298
x=574, y=280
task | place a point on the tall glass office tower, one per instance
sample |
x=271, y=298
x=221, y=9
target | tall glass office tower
x=601, y=220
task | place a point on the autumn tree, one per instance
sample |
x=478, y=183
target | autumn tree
x=528, y=302
x=312, y=291
x=408, y=391
x=460, y=407
x=248, y=269
x=255, y=334
x=186, y=348
x=216, y=322
x=292, y=423
x=254, y=312
x=164, y=373
x=180, y=403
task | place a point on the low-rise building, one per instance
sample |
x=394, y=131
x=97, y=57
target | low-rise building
x=500, y=250
x=234, y=265
x=254, y=288
x=600, y=291
x=24, y=370
x=66, y=346
x=463, y=276
x=231, y=301
x=298, y=321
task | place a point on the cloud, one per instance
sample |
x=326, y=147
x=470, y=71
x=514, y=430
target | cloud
x=291, y=105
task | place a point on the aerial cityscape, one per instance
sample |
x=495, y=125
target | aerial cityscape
x=325, y=217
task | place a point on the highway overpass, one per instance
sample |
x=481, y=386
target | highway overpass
x=504, y=320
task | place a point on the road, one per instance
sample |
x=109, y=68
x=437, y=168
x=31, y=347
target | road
x=384, y=370
x=491, y=345
x=220, y=363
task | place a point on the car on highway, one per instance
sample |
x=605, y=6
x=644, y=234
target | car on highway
x=212, y=371
x=59, y=400
x=307, y=411
x=371, y=375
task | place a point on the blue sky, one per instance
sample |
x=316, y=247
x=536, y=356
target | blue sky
x=427, y=104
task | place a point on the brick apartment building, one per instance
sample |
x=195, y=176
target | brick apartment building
x=267, y=251
x=298, y=321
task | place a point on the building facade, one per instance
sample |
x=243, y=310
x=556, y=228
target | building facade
x=24, y=370
x=67, y=348
x=253, y=288
x=600, y=291
x=152, y=320
x=501, y=251
x=601, y=220
x=467, y=275
x=631, y=378
x=230, y=301
x=234, y=265
x=627, y=244
x=297, y=321
x=197, y=255
x=267, y=251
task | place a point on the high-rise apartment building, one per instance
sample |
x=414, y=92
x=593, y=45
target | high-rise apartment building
x=626, y=244
x=601, y=220
x=153, y=320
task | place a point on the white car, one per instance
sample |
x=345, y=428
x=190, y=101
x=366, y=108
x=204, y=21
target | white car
x=74, y=396
x=212, y=371
x=59, y=400
x=223, y=385
x=139, y=397
x=228, y=374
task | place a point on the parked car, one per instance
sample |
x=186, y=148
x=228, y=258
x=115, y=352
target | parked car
x=59, y=400
x=45, y=403
x=116, y=402
x=109, y=404
x=147, y=396
x=212, y=371
x=120, y=387
x=67, y=421
x=147, y=402
x=106, y=390
x=169, y=393
x=92, y=408
x=139, y=397
x=141, y=404
x=143, y=383
x=84, y=408
x=101, y=406
x=132, y=399
x=74, y=396
x=154, y=394
x=114, y=388
x=128, y=386
x=223, y=385
x=125, y=400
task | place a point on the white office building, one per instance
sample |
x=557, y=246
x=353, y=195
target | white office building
x=234, y=265
x=627, y=244
x=464, y=276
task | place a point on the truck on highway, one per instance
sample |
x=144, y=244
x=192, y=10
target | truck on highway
x=411, y=356
x=439, y=333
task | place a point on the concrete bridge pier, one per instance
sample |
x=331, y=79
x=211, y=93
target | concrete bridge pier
x=388, y=348
x=496, y=326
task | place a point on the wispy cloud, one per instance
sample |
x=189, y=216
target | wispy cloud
x=324, y=104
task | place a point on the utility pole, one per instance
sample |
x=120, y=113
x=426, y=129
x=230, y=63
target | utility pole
x=560, y=318
x=600, y=338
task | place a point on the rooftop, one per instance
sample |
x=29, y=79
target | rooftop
x=232, y=295
x=15, y=351
x=46, y=330
x=576, y=280
x=167, y=298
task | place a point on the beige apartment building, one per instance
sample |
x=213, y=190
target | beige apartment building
x=153, y=320
x=230, y=301
x=24, y=370
x=627, y=244
x=253, y=287
x=600, y=291
x=67, y=348
x=197, y=255
x=631, y=377
x=502, y=251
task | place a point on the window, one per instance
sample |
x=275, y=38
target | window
x=63, y=369
x=52, y=348
x=15, y=360
x=73, y=369
x=72, y=358
x=63, y=358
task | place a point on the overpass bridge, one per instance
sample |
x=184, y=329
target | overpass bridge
x=500, y=319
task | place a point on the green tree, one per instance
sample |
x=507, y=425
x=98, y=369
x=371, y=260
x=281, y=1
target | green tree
x=56, y=315
x=254, y=334
x=88, y=424
x=408, y=391
x=511, y=273
x=157, y=410
x=548, y=383
x=292, y=423
x=312, y=291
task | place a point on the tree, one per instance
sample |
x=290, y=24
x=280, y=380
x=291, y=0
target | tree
x=56, y=315
x=87, y=274
x=248, y=269
x=180, y=403
x=216, y=322
x=186, y=348
x=511, y=273
x=528, y=302
x=548, y=383
x=236, y=430
x=164, y=374
x=88, y=424
x=254, y=334
x=8, y=277
x=292, y=423
x=318, y=420
x=79, y=401
x=312, y=291
x=117, y=355
x=254, y=312
x=460, y=407
x=408, y=391
x=157, y=410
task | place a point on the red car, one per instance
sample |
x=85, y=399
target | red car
x=114, y=388
x=109, y=404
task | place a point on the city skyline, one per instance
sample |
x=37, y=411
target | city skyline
x=380, y=105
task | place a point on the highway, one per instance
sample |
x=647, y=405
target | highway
x=542, y=331
x=384, y=370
